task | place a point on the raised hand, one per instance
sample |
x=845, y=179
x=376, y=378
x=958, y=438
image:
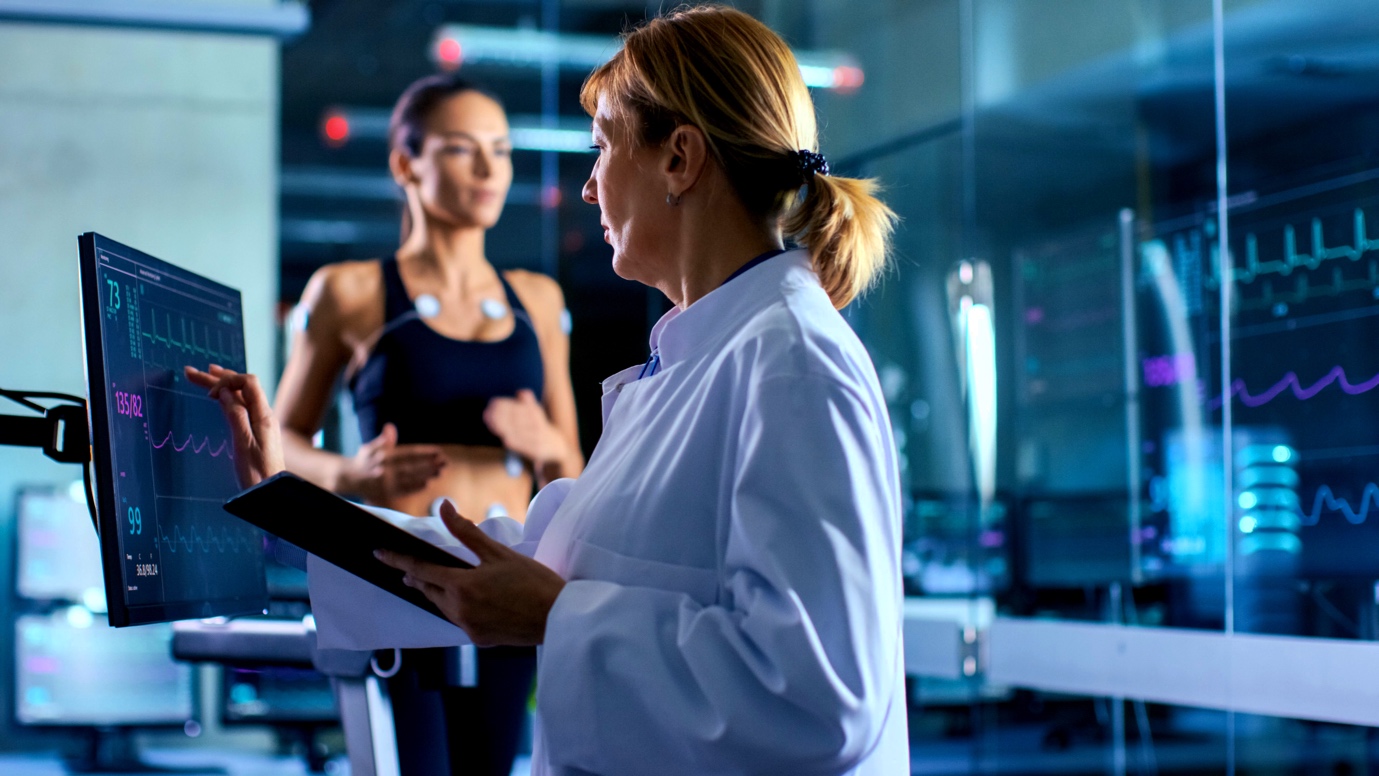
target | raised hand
x=254, y=430
x=505, y=600
x=383, y=470
x=521, y=423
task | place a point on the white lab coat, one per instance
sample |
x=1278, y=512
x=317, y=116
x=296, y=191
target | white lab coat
x=732, y=553
x=733, y=603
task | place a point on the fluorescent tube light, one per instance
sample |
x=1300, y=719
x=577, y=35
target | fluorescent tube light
x=455, y=45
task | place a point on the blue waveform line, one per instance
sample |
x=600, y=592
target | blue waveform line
x=1292, y=259
x=227, y=538
x=1326, y=499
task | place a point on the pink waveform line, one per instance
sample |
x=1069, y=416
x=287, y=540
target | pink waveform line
x=205, y=443
x=1290, y=380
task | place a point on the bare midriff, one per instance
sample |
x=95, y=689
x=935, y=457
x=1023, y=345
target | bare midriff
x=476, y=479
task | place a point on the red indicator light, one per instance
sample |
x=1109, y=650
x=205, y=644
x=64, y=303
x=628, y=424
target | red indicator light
x=337, y=129
x=449, y=53
x=847, y=78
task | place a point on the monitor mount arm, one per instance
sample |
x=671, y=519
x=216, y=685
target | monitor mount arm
x=61, y=433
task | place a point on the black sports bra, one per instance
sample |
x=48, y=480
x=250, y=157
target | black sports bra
x=434, y=388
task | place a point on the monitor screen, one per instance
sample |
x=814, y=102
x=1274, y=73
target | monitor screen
x=277, y=694
x=161, y=447
x=59, y=556
x=73, y=669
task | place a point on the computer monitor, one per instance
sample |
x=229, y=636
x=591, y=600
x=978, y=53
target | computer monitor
x=160, y=446
x=1076, y=540
x=73, y=670
x=281, y=695
x=58, y=557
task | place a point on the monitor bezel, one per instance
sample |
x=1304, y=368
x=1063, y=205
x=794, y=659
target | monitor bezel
x=98, y=418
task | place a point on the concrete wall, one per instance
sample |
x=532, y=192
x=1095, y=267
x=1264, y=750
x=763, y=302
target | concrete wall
x=164, y=141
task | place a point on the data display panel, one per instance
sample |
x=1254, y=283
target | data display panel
x=164, y=464
x=57, y=555
x=1304, y=316
x=74, y=670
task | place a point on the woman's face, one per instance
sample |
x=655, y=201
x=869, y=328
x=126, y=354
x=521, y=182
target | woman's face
x=631, y=197
x=464, y=170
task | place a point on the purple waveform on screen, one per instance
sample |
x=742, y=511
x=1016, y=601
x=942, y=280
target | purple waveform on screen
x=198, y=449
x=1290, y=380
x=1354, y=515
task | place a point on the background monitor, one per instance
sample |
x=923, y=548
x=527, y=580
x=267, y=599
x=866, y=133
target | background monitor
x=160, y=446
x=71, y=669
x=1080, y=540
x=277, y=695
x=58, y=554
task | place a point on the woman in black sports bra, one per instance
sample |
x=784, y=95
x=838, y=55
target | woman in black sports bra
x=460, y=378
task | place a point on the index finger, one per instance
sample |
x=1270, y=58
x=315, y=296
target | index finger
x=215, y=382
x=200, y=378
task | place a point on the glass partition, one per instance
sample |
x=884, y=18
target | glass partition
x=1104, y=417
x=1301, y=80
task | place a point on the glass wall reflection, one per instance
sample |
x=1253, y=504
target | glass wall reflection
x=1104, y=416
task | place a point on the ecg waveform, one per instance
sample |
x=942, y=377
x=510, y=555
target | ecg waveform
x=195, y=448
x=223, y=540
x=183, y=336
x=1291, y=381
x=1327, y=500
x=1292, y=259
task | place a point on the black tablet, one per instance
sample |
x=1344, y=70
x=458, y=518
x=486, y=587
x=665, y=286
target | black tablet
x=337, y=531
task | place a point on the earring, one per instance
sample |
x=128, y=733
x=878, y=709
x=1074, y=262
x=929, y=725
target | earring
x=673, y=199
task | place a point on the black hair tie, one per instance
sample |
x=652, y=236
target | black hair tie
x=810, y=164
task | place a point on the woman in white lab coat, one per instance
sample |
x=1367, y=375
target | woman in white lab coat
x=719, y=592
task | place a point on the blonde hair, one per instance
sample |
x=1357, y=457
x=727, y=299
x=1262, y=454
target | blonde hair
x=729, y=75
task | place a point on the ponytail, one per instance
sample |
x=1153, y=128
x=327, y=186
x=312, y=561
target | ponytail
x=720, y=70
x=847, y=231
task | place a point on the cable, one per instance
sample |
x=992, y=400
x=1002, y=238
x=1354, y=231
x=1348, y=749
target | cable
x=18, y=398
x=23, y=396
x=90, y=496
x=1148, y=760
x=1334, y=613
x=1150, y=763
x=390, y=672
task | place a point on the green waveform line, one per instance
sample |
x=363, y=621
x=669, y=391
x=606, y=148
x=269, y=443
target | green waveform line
x=1292, y=259
x=1304, y=289
x=187, y=344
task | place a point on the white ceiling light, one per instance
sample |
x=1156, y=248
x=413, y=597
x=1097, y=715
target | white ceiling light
x=341, y=125
x=455, y=45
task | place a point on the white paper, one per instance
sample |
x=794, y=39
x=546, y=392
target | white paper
x=354, y=614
